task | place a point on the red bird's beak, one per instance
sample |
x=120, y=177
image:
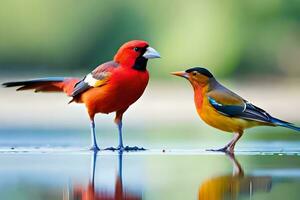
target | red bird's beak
x=181, y=74
x=151, y=53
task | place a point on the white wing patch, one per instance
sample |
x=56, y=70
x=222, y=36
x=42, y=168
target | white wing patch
x=90, y=80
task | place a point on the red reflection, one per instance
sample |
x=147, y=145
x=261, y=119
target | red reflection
x=90, y=192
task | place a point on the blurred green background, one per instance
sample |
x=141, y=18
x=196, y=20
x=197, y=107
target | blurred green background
x=253, y=46
x=232, y=38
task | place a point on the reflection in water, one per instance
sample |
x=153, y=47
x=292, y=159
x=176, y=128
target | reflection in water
x=92, y=192
x=51, y=176
x=235, y=185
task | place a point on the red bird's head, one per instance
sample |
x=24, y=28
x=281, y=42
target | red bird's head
x=135, y=54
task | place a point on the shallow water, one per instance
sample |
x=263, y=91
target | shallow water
x=175, y=174
x=37, y=164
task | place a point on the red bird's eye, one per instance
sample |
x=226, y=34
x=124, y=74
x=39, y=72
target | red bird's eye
x=136, y=49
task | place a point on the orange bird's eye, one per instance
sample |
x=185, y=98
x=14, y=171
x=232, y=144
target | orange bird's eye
x=194, y=73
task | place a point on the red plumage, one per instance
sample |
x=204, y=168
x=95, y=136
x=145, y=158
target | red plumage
x=111, y=87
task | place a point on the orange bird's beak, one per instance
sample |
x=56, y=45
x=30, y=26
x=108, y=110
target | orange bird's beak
x=181, y=74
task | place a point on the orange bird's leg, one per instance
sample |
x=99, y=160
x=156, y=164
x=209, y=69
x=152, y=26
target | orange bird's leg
x=229, y=148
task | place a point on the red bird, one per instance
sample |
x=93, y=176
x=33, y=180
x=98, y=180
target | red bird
x=111, y=87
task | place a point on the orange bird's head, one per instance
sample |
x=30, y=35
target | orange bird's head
x=197, y=76
x=135, y=54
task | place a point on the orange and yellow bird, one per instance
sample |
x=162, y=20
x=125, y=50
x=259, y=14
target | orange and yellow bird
x=223, y=109
x=111, y=87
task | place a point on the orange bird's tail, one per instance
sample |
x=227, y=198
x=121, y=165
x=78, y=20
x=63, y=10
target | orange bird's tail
x=50, y=84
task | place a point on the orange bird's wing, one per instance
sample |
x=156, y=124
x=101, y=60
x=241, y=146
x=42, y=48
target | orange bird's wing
x=97, y=78
x=226, y=97
x=230, y=104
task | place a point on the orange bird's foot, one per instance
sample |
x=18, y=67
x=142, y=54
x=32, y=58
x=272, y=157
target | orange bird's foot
x=224, y=149
x=127, y=148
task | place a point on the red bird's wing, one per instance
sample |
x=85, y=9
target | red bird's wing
x=97, y=78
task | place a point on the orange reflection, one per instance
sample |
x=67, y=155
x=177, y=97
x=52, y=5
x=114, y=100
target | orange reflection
x=234, y=186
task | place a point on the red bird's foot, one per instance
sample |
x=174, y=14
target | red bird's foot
x=94, y=148
x=135, y=148
x=127, y=148
x=113, y=148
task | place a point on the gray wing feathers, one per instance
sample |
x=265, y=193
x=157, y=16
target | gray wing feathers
x=80, y=87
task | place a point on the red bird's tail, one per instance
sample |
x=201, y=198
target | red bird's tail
x=51, y=84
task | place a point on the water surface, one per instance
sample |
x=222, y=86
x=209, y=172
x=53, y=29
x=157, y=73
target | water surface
x=43, y=164
x=80, y=174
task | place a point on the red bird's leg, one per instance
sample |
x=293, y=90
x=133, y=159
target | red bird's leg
x=94, y=145
x=118, y=121
x=120, y=135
